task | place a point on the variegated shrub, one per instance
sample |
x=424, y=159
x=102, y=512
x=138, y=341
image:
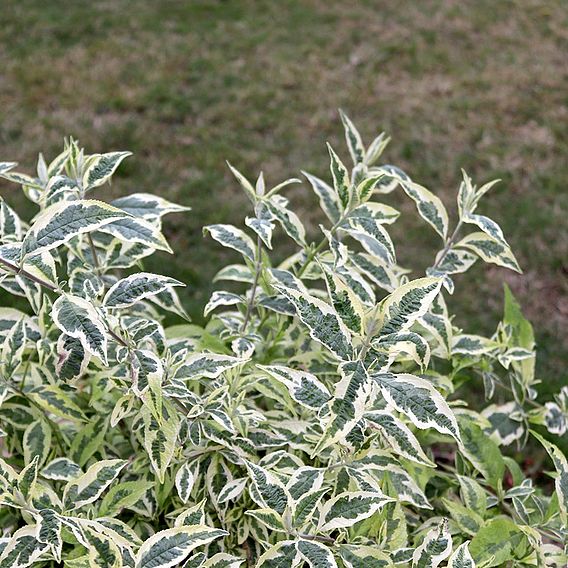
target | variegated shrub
x=316, y=420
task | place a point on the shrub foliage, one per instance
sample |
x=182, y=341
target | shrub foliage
x=315, y=420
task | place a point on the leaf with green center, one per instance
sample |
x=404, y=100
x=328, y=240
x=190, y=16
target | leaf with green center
x=88, y=487
x=322, y=320
x=461, y=558
x=101, y=167
x=362, y=556
x=399, y=437
x=147, y=205
x=406, y=304
x=316, y=555
x=419, y=400
x=329, y=202
x=348, y=405
x=234, y=238
x=429, y=206
x=490, y=250
x=37, y=441
x=23, y=549
x=49, y=531
x=137, y=230
x=306, y=389
x=136, y=287
x=340, y=176
x=223, y=560
x=348, y=508
x=353, y=139
x=60, y=222
x=54, y=400
x=435, y=548
x=270, y=489
x=170, y=547
x=289, y=221
x=78, y=318
x=269, y=518
x=561, y=480
x=373, y=237
x=209, y=365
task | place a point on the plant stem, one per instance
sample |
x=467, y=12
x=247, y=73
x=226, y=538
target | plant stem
x=258, y=270
x=311, y=255
x=318, y=538
x=448, y=245
x=54, y=427
x=20, y=271
x=94, y=252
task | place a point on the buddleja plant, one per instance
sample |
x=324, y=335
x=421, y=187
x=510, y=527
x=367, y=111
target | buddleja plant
x=314, y=421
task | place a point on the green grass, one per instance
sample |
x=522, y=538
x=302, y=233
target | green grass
x=186, y=85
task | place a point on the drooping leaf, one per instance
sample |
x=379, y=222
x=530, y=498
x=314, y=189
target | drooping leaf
x=232, y=237
x=490, y=250
x=136, y=287
x=78, y=318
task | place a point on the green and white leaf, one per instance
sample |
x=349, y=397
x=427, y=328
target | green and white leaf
x=88, y=487
x=419, y=401
x=561, y=480
x=184, y=482
x=353, y=139
x=490, y=250
x=429, y=206
x=209, y=365
x=315, y=554
x=406, y=304
x=62, y=221
x=272, y=492
x=37, y=441
x=137, y=230
x=78, y=318
x=234, y=238
x=306, y=389
x=461, y=558
x=373, y=237
x=100, y=168
x=435, y=548
x=221, y=298
x=147, y=205
x=329, y=201
x=363, y=556
x=56, y=401
x=136, y=287
x=170, y=547
x=348, y=405
x=399, y=436
x=322, y=320
x=340, y=175
x=23, y=549
x=49, y=531
x=348, y=508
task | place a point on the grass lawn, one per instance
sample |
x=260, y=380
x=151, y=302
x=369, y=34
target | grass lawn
x=187, y=84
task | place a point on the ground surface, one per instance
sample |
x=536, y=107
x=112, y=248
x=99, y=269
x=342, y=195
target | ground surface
x=185, y=85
